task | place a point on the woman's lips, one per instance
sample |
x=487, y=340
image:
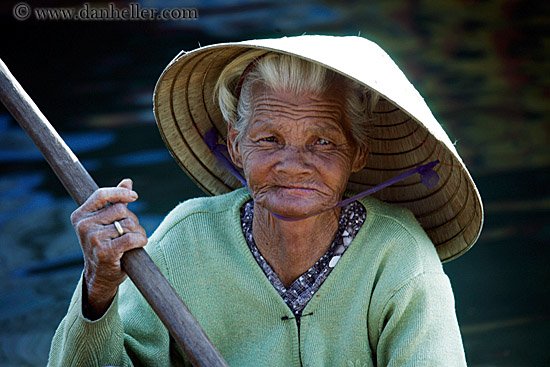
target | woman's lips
x=297, y=190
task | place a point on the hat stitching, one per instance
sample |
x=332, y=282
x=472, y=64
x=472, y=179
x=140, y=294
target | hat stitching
x=455, y=217
x=188, y=110
x=463, y=229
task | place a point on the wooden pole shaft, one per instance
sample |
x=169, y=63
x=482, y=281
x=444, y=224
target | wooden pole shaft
x=146, y=276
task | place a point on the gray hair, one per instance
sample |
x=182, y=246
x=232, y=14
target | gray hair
x=293, y=74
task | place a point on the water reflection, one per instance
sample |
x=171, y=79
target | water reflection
x=16, y=146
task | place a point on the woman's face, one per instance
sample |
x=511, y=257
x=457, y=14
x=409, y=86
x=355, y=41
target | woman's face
x=295, y=154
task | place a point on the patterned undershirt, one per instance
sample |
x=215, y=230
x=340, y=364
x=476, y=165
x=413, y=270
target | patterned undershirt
x=352, y=217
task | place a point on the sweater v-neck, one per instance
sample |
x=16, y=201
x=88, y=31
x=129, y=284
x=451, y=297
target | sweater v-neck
x=328, y=284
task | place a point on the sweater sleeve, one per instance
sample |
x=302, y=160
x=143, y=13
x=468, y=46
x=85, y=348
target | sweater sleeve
x=418, y=325
x=128, y=333
x=81, y=342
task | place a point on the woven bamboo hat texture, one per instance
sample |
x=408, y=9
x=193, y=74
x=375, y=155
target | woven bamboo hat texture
x=405, y=133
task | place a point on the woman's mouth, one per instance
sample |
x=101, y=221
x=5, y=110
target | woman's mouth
x=297, y=190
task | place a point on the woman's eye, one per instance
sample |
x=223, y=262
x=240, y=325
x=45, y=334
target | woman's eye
x=270, y=139
x=322, y=141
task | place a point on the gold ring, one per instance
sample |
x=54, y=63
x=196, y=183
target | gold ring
x=118, y=227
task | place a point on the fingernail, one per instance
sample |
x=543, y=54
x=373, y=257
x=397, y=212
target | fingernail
x=133, y=194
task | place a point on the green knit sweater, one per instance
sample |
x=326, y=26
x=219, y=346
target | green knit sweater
x=386, y=303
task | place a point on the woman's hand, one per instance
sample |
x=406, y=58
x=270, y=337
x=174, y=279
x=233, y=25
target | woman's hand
x=103, y=245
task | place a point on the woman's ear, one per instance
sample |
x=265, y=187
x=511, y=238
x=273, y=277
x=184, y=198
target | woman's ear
x=233, y=146
x=361, y=156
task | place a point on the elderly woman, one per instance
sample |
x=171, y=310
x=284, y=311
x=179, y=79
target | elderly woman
x=285, y=271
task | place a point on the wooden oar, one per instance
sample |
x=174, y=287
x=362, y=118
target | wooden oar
x=138, y=265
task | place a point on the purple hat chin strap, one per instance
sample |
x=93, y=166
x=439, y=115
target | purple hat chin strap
x=221, y=153
x=428, y=176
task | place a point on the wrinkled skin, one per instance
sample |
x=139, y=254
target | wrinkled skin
x=296, y=155
x=102, y=245
x=297, y=159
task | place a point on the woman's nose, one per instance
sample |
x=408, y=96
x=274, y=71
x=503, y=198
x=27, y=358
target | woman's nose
x=294, y=160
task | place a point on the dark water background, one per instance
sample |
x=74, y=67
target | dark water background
x=482, y=66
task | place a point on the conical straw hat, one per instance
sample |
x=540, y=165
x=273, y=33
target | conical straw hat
x=405, y=132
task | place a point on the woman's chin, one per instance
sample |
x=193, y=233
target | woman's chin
x=296, y=207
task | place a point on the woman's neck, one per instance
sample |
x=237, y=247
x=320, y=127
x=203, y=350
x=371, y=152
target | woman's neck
x=292, y=247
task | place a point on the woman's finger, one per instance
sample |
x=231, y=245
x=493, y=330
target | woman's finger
x=128, y=242
x=109, y=214
x=85, y=221
x=126, y=183
x=126, y=226
x=104, y=196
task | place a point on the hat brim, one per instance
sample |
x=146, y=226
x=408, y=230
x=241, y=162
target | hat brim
x=405, y=133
